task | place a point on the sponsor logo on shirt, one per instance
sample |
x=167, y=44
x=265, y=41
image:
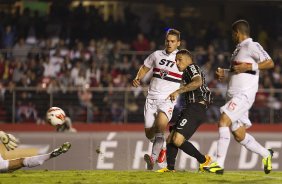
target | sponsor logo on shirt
x=167, y=62
x=193, y=69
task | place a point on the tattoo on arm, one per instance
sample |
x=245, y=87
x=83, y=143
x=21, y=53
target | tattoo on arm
x=196, y=83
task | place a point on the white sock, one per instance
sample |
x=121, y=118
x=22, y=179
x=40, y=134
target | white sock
x=251, y=144
x=157, y=145
x=222, y=145
x=164, y=145
x=35, y=160
x=4, y=165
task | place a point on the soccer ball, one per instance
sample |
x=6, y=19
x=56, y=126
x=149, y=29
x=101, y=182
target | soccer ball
x=55, y=116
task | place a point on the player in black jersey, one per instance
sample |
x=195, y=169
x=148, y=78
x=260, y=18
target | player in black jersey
x=197, y=97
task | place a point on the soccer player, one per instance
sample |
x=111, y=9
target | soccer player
x=197, y=97
x=246, y=61
x=158, y=110
x=10, y=143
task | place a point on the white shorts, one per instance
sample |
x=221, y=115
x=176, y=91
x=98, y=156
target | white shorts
x=152, y=107
x=237, y=109
x=4, y=164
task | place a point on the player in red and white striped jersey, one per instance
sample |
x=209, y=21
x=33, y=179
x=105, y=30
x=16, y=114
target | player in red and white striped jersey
x=165, y=80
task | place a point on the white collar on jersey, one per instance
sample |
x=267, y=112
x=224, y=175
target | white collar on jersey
x=174, y=52
x=244, y=42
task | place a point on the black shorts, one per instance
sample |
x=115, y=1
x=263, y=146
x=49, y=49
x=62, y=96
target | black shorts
x=190, y=119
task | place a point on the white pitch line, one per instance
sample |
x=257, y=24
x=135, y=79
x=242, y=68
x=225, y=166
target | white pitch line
x=248, y=174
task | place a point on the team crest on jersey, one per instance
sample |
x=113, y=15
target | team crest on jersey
x=234, y=54
x=163, y=73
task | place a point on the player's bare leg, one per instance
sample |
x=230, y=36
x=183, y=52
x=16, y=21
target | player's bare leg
x=15, y=164
x=150, y=133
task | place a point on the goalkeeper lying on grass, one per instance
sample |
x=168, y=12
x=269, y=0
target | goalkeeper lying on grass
x=11, y=143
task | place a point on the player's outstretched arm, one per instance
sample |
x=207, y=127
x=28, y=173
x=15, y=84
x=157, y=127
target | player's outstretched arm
x=9, y=141
x=140, y=75
x=194, y=84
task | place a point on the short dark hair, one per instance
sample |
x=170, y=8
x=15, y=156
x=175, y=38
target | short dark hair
x=185, y=52
x=173, y=32
x=241, y=26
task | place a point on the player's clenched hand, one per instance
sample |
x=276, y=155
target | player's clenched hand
x=219, y=74
x=173, y=96
x=9, y=141
x=136, y=82
x=242, y=67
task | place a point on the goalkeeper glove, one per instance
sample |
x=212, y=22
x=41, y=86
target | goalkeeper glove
x=9, y=141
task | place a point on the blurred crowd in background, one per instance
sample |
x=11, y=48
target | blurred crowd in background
x=78, y=49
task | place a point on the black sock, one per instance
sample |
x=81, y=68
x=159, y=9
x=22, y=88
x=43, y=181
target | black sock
x=190, y=149
x=171, y=153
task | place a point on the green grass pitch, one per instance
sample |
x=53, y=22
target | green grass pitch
x=137, y=177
